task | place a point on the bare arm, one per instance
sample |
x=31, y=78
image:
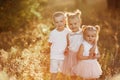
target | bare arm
x=80, y=54
x=92, y=50
x=49, y=43
x=67, y=37
x=96, y=56
x=96, y=53
x=66, y=49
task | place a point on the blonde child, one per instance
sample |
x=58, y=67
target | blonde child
x=88, y=67
x=57, y=41
x=74, y=39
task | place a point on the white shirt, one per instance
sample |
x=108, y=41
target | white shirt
x=75, y=40
x=59, y=42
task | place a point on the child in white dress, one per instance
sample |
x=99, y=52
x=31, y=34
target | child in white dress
x=74, y=39
x=88, y=67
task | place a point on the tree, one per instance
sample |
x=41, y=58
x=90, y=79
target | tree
x=113, y=4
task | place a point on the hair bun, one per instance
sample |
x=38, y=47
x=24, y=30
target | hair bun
x=78, y=12
x=83, y=27
x=97, y=27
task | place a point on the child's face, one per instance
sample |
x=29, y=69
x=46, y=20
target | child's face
x=90, y=36
x=74, y=24
x=59, y=22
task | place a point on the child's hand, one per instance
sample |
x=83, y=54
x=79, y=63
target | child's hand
x=96, y=56
x=91, y=51
x=92, y=56
x=66, y=51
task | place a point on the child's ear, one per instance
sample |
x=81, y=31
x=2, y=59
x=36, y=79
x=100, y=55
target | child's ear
x=97, y=27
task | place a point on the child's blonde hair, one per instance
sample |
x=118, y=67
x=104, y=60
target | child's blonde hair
x=91, y=28
x=58, y=13
x=76, y=14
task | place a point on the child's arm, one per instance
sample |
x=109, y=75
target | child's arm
x=80, y=54
x=49, y=43
x=67, y=49
x=92, y=50
x=96, y=53
x=50, y=40
x=96, y=56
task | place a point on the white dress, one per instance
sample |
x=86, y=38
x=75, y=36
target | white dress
x=75, y=40
x=88, y=68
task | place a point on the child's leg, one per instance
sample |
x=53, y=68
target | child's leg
x=53, y=69
x=94, y=79
x=73, y=77
x=61, y=76
x=90, y=79
x=53, y=76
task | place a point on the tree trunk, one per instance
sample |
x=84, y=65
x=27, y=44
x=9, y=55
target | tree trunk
x=113, y=4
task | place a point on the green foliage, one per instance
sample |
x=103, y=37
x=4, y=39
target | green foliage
x=15, y=14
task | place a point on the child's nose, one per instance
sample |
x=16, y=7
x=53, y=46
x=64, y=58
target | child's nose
x=73, y=26
x=60, y=23
x=89, y=37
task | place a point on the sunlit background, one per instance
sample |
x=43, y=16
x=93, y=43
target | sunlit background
x=24, y=30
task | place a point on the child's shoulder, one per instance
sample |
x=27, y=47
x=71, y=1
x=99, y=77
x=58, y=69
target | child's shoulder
x=54, y=30
x=66, y=29
x=84, y=42
x=80, y=30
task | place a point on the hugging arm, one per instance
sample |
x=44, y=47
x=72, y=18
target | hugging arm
x=80, y=54
x=67, y=49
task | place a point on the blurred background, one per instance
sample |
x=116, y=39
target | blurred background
x=26, y=24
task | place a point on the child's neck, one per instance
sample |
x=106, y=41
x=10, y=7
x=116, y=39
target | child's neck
x=60, y=29
x=89, y=43
x=75, y=31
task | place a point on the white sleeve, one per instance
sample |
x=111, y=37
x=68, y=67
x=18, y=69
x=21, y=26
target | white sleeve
x=50, y=39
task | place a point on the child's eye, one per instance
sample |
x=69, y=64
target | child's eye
x=88, y=36
x=75, y=23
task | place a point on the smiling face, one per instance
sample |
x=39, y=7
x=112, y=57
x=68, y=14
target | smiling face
x=59, y=22
x=90, y=36
x=74, y=24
